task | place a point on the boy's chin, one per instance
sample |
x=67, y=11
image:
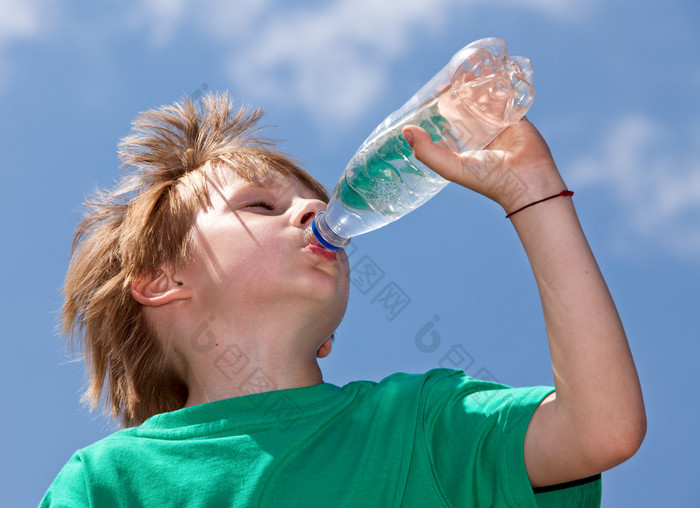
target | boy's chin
x=324, y=287
x=329, y=301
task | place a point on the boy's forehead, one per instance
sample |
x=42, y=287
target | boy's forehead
x=270, y=180
x=273, y=179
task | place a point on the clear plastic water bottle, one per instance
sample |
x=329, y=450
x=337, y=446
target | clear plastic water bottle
x=480, y=92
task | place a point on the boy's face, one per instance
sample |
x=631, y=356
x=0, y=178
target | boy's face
x=250, y=254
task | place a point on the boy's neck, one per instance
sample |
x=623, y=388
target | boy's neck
x=226, y=361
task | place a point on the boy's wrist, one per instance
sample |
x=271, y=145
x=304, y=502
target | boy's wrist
x=563, y=193
x=533, y=190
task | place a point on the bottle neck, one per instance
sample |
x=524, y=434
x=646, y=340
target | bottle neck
x=325, y=236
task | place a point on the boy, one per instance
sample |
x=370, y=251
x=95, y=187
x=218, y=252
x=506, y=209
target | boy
x=204, y=307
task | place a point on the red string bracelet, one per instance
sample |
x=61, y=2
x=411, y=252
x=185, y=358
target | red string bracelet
x=562, y=193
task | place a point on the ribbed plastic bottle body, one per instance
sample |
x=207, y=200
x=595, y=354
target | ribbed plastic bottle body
x=464, y=107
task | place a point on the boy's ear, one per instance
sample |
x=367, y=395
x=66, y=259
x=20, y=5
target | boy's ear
x=159, y=288
x=325, y=349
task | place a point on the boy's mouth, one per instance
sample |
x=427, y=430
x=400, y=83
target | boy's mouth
x=309, y=238
x=313, y=246
x=316, y=249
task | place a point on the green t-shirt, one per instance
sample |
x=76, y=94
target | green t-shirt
x=430, y=440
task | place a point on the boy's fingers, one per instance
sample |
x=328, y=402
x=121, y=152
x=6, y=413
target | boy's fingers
x=441, y=160
x=474, y=169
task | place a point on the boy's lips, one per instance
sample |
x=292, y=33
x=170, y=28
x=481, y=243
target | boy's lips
x=320, y=251
x=314, y=247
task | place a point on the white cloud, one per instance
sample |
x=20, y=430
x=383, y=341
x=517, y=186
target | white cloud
x=222, y=20
x=333, y=59
x=329, y=58
x=161, y=18
x=656, y=186
x=562, y=9
x=232, y=22
x=20, y=20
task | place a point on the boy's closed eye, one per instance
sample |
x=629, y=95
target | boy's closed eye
x=259, y=204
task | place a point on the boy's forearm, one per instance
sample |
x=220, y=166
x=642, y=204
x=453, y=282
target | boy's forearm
x=596, y=418
x=598, y=395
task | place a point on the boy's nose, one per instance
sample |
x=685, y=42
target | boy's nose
x=306, y=211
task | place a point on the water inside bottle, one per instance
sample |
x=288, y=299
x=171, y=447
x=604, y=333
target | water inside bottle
x=383, y=181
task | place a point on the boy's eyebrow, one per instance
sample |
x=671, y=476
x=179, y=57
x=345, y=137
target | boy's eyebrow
x=267, y=184
x=277, y=183
x=250, y=185
x=228, y=195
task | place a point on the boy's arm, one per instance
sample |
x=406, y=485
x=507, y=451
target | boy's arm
x=595, y=419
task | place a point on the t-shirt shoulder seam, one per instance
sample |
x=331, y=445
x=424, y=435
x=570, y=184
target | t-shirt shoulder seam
x=448, y=373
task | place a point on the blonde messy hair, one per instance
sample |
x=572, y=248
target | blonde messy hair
x=172, y=157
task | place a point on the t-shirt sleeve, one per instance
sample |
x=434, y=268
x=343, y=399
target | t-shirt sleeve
x=69, y=489
x=474, y=433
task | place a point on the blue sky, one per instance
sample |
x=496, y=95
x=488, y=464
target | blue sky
x=617, y=99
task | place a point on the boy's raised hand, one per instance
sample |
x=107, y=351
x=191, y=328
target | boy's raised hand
x=595, y=419
x=515, y=169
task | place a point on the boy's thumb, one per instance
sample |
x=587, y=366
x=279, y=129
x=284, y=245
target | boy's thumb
x=439, y=159
x=415, y=136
